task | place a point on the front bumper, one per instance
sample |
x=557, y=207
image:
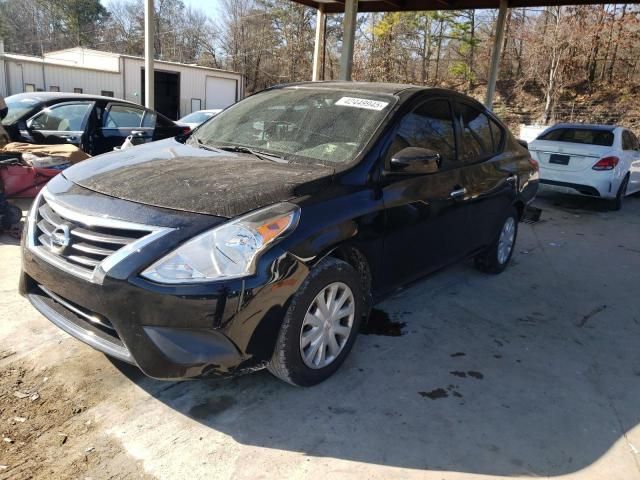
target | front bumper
x=168, y=336
x=169, y=332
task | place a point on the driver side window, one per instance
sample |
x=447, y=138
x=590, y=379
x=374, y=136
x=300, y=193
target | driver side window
x=428, y=126
x=61, y=118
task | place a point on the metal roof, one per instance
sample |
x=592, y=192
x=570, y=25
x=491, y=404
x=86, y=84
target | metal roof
x=337, y=6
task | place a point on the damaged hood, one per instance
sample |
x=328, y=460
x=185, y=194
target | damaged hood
x=173, y=175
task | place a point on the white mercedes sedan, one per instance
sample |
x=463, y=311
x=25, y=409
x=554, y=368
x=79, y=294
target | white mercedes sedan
x=594, y=160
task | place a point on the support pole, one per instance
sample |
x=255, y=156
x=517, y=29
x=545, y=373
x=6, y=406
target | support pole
x=318, y=50
x=495, y=54
x=149, y=53
x=348, y=38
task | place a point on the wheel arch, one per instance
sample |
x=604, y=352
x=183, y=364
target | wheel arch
x=357, y=259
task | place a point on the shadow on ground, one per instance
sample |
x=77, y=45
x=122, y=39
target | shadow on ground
x=533, y=372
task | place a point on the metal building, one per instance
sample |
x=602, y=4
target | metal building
x=179, y=88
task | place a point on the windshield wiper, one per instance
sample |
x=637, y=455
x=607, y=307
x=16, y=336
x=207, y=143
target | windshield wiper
x=256, y=153
x=201, y=144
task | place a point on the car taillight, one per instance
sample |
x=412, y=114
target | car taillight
x=534, y=163
x=606, y=163
x=186, y=130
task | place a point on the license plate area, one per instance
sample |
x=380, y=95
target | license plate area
x=558, y=159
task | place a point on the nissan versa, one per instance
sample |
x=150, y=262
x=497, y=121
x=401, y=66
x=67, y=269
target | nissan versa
x=263, y=238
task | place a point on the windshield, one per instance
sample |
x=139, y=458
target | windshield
x=197, y=117
x=300, y=124
x=18, y=107
x=588, y=136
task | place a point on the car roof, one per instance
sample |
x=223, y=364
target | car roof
x=590, y=126
x=47, y=96
x=401, y=90
x=368, y=87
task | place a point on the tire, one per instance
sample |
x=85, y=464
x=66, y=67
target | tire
x=290, y=361
x=616, y=203
x=493, y=259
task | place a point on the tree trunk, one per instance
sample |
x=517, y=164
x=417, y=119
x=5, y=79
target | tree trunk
x=614, y=55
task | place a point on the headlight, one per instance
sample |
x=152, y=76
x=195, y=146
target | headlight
x=227, y=251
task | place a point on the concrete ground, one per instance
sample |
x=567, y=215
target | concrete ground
x=532, y=373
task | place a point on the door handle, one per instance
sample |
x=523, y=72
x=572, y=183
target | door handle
x=137, y=133
x=69, y=138
x=461, y=192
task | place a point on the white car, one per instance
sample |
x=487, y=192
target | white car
x=195, y=119
x=595, y=160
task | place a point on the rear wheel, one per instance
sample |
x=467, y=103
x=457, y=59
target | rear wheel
x=616, y=203
x=320, y=325
x=496, y=258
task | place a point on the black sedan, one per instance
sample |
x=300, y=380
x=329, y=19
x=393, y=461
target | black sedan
x=93, y=123
x=264, y=238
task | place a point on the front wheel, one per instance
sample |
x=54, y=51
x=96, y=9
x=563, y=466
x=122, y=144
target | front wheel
x=496, y=258
x=320, y=325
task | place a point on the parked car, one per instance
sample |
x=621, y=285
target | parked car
x=93, y=123
x=263, y=239
x=196, y=119
x=593, y=160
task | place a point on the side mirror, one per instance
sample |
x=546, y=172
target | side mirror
x=415, y=161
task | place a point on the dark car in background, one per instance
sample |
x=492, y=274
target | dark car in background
x=264, y=238
x=95, y=124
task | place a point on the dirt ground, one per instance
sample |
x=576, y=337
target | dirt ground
x=535, y=372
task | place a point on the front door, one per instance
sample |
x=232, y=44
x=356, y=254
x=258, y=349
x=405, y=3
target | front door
x=425, y=215
x=61, y=123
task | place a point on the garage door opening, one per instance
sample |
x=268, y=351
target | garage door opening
x=167, y=93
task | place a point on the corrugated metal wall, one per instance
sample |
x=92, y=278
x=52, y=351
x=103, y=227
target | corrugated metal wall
x=21, y=73
x=3, y=85
x=127, y=84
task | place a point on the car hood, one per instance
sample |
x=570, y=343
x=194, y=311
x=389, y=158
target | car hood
x=173, y=175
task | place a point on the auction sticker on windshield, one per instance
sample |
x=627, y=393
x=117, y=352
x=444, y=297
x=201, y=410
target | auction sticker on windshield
x=361, y=103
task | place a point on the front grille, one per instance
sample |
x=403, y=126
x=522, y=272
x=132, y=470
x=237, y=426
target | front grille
x=81, y=243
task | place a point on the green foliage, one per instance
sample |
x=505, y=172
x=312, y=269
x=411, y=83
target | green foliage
x=78, y=18
x=462, y=71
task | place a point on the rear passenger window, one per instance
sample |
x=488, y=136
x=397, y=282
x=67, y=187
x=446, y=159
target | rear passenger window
x=149, y=120
x=481, y=136
x=429, y=126
x=123, y=116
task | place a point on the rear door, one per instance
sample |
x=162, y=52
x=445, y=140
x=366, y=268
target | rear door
x=120, y=120
x=426, y=222
x=489, y=173
x=61, y=123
